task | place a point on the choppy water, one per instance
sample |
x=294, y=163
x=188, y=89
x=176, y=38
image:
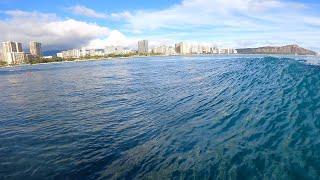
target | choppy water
x=231, y=117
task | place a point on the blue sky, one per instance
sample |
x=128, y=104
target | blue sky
x=99, y=5
x=61, y=24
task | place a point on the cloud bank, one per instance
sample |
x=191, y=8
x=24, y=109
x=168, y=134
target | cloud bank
x=52, y=31
x=85, y=11
x=230, y=23
x=237, y=22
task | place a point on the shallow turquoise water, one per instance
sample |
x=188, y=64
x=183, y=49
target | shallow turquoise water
x=227, y=117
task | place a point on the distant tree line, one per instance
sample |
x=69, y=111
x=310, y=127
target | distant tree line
x=2, y=63
x=37, y=60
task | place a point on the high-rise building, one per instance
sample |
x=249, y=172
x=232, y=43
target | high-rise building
x=143, y=47
x=35, y=48
x=12, y=52
x=10, y=46
x=19, y=47
x=73, y=53
x=114, y=50
x=227, y=51
x=183, y=48
x=164, y=50
x=84, y=52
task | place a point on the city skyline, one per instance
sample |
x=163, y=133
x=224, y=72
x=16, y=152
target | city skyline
x=14, y=54
x=62, y=25
x=143, y=49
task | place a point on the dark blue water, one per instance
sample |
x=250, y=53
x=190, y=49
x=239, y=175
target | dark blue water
x=218, y=117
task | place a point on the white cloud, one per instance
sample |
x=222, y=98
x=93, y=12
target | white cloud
x=115, y=38
x=232, y=23
x=52, y=31
x=85, y=11
x=121, y=16
x=229, y=13
x=220, y=20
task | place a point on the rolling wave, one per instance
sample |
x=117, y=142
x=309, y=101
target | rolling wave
x=237, y=117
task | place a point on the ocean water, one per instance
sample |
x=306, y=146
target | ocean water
x=205, y=117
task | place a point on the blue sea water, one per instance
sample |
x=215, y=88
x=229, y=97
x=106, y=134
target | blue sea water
x=200, y=117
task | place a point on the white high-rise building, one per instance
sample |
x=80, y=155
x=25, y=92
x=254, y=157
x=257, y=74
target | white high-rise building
x=60, y=55
x=74, y=53
x=214, y=50
x=114, y=50
x=84, y=52
x=164, y=50
x=10, y=46
x=183, y=48
x=143, y=46
x=227, y=51
x=35, y=48
x=12, y=53
x=196, y=49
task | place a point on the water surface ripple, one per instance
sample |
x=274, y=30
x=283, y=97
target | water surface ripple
x=221, y=117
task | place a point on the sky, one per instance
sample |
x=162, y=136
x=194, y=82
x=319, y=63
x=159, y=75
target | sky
x=67, y=24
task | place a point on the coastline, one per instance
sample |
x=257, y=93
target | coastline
x=134, y=57
x=83, y=60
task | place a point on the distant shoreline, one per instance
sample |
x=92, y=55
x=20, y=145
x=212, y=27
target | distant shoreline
x=84, y=60
x=134, y=57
